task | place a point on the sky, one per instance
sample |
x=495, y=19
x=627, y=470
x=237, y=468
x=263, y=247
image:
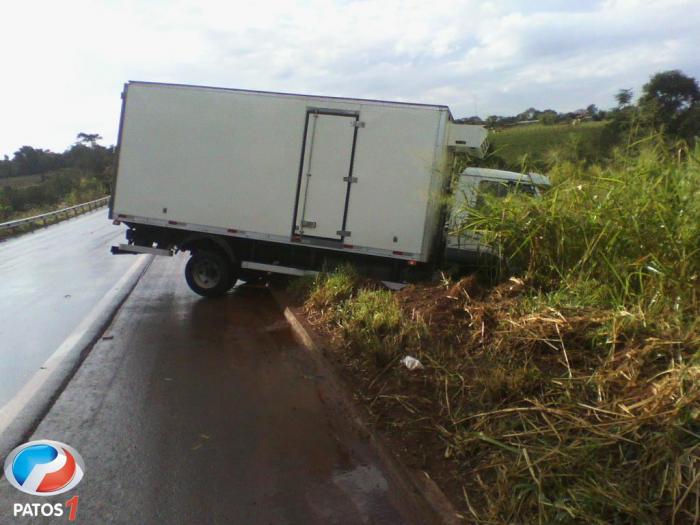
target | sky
x=64, y=63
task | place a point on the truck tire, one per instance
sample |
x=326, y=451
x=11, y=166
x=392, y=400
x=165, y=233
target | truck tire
x=209, y=274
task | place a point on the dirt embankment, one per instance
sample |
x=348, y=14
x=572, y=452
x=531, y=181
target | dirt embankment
x=522, y=412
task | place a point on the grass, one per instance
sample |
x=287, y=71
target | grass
x=369, y=318
x=22, y=181
x=567, y=394
x=625, y=235
x=58, y=189
x=328, y=290
x=83, y=190
x=532, y=145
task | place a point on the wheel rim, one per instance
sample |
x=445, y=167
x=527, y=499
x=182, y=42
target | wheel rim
x=206, y=274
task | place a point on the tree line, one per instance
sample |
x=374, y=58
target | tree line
x=81, y=173
x=545, y=116
x=86, y=155
x=669, y=101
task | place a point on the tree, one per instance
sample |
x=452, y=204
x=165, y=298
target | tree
x=528, y=114
x=88, y=138
x=621, y=121
x=5, y=167
x=673, y=91
x=28, y=161
x=470, y=120
x=89, y=159
x=549, y=116
x=689, y=125
x=492, y=120
x=624, y=98
x=669, y=100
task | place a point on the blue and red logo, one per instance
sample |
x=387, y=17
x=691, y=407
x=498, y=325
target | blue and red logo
x=44, y=468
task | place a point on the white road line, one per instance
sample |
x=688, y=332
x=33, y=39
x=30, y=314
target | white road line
x=17, y=404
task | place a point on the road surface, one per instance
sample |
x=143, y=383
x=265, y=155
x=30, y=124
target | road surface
x=50, y=281
x=192, y=410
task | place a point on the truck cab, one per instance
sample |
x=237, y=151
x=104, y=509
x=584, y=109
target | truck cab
x=469, y=190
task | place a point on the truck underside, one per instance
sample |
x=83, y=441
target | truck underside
x=218, y=261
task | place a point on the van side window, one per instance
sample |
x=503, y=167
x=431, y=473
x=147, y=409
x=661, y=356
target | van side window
x=501, y=188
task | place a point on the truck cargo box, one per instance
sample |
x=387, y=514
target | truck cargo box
x=336, y=173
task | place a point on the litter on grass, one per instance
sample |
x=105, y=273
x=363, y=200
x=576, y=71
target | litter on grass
x=411, y=363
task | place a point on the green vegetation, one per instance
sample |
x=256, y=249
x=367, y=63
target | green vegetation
x=630, y=231
x=532, y=145
x=369, y=317
x=567, y=394
x=669, y=103
x=59, y=189
x=35, y=181
x=330, y=289
x=613, y=267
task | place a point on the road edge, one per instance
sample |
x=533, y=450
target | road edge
x=20, y=416
x=20, y=230
x=428, y=502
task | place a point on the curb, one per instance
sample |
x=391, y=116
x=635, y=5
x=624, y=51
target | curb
x=414, y=488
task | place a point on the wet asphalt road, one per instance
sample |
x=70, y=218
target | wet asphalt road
x=49, y=282
x=193, y=410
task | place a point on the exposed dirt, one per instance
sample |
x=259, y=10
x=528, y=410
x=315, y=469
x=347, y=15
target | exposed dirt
x=508, y=390
x=408, y=407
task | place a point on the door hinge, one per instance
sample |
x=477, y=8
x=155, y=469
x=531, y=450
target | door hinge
x=357, y=124
x=308, y=224
x=343, y=233
x=351, y=180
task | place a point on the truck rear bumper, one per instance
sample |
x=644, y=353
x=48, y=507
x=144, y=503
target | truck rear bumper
x=132, y=248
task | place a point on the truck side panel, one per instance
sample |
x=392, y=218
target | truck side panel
x=205, y=157
x=394, y=168
x=230, y=160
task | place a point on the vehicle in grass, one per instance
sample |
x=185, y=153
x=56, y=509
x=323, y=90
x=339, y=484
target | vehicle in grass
x=464, y=245
x=254, y=182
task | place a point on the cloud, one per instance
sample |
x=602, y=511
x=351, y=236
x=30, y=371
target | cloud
x=64, y=63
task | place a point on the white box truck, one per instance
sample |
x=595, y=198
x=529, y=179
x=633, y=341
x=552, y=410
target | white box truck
x=251, y=181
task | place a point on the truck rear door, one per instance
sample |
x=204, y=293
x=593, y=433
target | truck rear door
x=324, y=183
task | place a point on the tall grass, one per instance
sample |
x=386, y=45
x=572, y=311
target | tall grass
x=625, y=235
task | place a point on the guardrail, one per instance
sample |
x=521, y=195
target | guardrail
x=44, y=218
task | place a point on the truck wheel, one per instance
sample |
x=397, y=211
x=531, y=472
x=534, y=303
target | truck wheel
x=209, y=274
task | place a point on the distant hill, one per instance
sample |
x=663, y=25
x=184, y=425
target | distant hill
x=536, y=141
